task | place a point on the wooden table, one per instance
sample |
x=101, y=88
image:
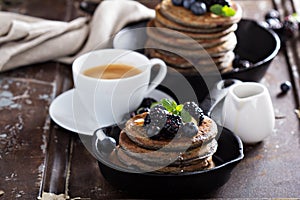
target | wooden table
x=38, y=157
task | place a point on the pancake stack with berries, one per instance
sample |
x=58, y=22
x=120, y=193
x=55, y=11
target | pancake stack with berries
x=168, y=138
x=189, y=34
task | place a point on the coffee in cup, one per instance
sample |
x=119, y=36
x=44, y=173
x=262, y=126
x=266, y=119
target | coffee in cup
x=110, y=83
x=112, y=71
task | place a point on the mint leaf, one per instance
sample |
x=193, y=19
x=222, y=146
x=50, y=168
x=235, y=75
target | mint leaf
x=179, y=107
x=220, y=10
x=216, y=9
x=168, y=104
x=185, y=116
x=228, y=11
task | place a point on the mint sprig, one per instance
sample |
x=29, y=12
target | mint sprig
x=177, y=109
x=220, y=10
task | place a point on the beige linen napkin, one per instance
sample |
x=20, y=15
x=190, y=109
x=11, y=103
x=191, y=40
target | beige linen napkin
x=26, y=40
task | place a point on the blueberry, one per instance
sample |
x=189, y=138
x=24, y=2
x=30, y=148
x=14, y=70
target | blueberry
x=190, y=129
x=198, y=8
x=187, y=3
x=239, y=63
x=273, y=14
x=177, y=2
x=274, y=23
x=285, y=87
x=152, y=131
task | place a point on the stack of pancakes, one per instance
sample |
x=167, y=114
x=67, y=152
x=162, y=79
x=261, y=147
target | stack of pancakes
x=184, y=40
x=177, y=155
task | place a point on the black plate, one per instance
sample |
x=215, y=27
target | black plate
x=229, y=153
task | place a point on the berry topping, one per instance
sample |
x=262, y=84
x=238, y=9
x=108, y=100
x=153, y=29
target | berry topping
x=177, y=2
x=189, y=129
x=198, y=8
x=188, y=3
x=172, y=125
x=194, y=110
x=285, y=87
x=158, y=115
x=152, y=131
x=166, y=117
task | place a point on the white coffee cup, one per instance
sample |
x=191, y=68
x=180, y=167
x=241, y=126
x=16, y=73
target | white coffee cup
x=107, y=101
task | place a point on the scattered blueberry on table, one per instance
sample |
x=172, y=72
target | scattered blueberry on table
x=286, y=28
x=285, y=86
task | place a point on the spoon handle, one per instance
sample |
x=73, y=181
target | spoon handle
x=216, y=95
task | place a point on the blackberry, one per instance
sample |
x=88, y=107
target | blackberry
x=158, y=115
x=195, y=111
x=171, y=126
x=189, y=129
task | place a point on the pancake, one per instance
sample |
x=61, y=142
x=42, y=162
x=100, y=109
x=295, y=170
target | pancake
x=149, y=167
x=182, y=16
x=206, y=132
x=160, y=20
x=173, y=60
x=219, y=50
x=178, y=40
x=206, y=35
x=163, y=156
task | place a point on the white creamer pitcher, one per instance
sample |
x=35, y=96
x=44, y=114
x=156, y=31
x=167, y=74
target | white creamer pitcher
x=248, y=112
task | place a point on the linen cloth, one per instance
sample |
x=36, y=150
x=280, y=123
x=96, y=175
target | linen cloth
x=26, y=40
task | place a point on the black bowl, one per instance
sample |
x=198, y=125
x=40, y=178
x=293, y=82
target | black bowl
x=229, y=153
x=257, y=44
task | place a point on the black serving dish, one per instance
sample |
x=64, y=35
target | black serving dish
x=229, y=153
x=256, y=44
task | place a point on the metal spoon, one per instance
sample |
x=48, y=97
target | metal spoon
x=103, y=143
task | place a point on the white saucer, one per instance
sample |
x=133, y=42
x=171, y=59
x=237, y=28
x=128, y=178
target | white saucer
x=62, y=113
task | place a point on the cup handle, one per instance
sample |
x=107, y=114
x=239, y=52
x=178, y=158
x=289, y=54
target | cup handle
x=160, y=75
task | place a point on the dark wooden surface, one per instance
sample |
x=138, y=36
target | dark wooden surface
x=38, y=157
